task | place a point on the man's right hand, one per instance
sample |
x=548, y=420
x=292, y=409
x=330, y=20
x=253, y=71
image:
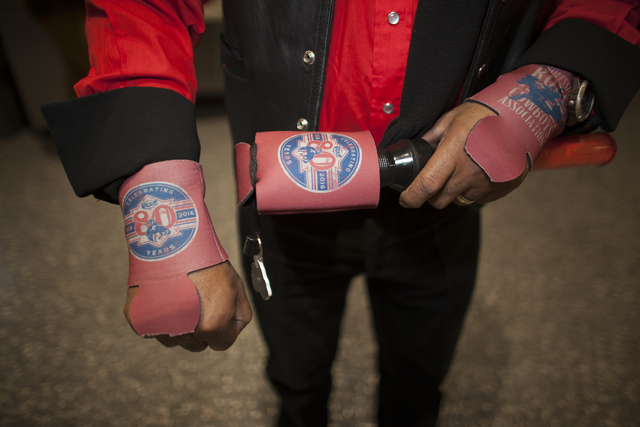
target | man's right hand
x=225, y=310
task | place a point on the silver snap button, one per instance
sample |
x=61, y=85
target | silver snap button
x=303, y=124
x=482, y=71
x=387, y=108
x=393, y=18
x=309, y=57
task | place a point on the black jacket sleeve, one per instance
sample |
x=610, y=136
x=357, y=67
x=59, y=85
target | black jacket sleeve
x=610, y=63
x=102, y=139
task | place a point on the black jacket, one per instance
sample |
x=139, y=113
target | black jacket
x=458, y=47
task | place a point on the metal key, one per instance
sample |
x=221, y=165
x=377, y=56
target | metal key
x=259, y=277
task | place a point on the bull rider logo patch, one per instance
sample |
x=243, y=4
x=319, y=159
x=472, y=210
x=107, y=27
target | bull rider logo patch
x=160, y=220
x=320, y=162
x=539, y=101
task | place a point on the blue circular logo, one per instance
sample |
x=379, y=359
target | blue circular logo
x=320, y=162
x=160, y=220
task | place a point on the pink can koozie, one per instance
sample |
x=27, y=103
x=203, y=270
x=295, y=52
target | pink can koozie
x=309, y=172
x=169, y=234
x=531, y=103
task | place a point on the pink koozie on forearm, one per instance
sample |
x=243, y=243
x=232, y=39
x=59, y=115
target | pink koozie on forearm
x=311, y=171
x=169, y=234
x=531, y=103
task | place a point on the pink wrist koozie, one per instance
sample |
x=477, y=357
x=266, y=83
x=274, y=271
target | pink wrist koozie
x=531, y=103
x=310, y=172
x=169, y=234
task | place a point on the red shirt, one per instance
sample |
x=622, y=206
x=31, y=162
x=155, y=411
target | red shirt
x=149, y=43
x=142, y=43
x=366, y=65
x=618, y=16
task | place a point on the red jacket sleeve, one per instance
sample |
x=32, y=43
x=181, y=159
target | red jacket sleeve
x=621, y=17
x=142, y=43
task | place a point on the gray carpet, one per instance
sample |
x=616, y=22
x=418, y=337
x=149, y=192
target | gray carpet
x=552, y=337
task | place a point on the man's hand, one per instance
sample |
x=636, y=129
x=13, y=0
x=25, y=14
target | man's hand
x=225, y=310
x=450, y=171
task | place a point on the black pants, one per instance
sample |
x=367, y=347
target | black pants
x=420, y=267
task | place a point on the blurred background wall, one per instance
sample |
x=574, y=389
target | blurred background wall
x=43, y=53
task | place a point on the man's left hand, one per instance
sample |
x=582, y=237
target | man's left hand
x=450, y=171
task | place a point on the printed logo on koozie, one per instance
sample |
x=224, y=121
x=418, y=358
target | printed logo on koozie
x=320, y=162
x=160, y=220
x=540, y=101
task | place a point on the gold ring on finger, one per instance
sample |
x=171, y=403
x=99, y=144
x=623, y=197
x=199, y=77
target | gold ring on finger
x=464, y=200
